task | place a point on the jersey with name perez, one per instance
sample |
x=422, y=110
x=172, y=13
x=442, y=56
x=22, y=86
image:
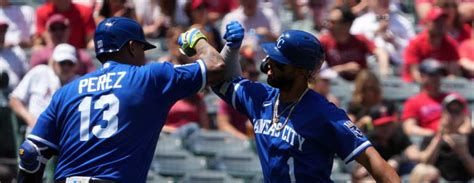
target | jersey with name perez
x=302, y=150
x=106, y=124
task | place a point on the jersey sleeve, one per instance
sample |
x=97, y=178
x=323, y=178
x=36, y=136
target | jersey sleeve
x=45, y=130
x=179, y=81
x=242, y=94
x=347, y=140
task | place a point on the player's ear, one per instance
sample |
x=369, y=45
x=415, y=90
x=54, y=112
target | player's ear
x=131, y=48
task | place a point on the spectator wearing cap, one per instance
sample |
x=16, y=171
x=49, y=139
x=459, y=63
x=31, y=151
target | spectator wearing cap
x=451, y=149
x=466, y=52
x=21, y=20
x=346, y=53
x=34, y=92
x=261, y=25
x=322, y=84
x=82, y=25
x=58, y=30
x=12, y=59
x=197, y=12
x=389, y=139
x=389, y=30
x=230, y=120
x=433, y=43
x=422, y=113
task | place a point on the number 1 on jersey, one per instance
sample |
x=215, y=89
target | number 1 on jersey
x=109, y=115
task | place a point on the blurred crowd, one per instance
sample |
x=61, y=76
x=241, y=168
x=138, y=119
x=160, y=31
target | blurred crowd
x=427, y=136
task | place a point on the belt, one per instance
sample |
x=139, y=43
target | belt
x=91, y=180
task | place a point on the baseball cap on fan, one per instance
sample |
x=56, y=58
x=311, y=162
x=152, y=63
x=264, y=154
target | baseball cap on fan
x=450, y=101
x=64, y=52
x=434, y=14
x=57, y=19
x=195, y=4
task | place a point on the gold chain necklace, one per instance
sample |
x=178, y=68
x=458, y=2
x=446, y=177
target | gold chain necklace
x=276, y=117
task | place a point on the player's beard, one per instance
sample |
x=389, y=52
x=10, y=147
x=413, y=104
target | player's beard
x=281, y=82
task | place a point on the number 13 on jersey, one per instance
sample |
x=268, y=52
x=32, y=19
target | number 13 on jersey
x=109, y=115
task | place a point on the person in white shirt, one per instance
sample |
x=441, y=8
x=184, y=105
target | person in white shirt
x=21, y=20
x=31, y=97
x=261, y=25
x=387, y=29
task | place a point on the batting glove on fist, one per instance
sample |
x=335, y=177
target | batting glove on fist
x=188, y=40
x=234, y=34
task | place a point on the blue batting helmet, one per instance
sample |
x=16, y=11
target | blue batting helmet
x=112, y=33
x=296, y=48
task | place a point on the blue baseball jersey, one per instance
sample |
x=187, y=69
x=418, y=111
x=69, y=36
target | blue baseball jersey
x=304, y=149
x=106, y=124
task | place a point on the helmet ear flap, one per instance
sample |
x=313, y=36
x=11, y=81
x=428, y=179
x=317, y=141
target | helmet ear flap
x=264, y=66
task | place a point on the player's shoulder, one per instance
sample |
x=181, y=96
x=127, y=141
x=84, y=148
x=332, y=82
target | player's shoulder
x=323, y=109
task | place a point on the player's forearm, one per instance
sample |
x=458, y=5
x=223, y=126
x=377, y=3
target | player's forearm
x=231, y=59
x=214, y=62
x=380, y=170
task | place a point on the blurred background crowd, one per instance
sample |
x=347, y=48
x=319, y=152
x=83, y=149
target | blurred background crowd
x=402, y=69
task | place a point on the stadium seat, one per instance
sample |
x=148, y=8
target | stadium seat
x=210, y=143
x=154, y=177
x=177, y=163
x=208, y=176
x=395, y=89
x=238, y=164
x=342, y=89
x=168, y=143
x=459, y=85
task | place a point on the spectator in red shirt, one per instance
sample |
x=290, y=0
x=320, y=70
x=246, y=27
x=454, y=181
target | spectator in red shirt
x=346, y=53
x=58, y=30
x=82, y=28
x=230, y=120
x=466, y=52
x=187, y=111
x=432, y=43
x=422, y=112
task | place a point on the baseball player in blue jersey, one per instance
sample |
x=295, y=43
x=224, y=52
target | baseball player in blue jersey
x=298, y=132
x=105, y=125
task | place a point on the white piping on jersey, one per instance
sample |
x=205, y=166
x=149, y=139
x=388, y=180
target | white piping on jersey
x=236, y=87
x=34, y=137
x=203, y=73
x=357, y=150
